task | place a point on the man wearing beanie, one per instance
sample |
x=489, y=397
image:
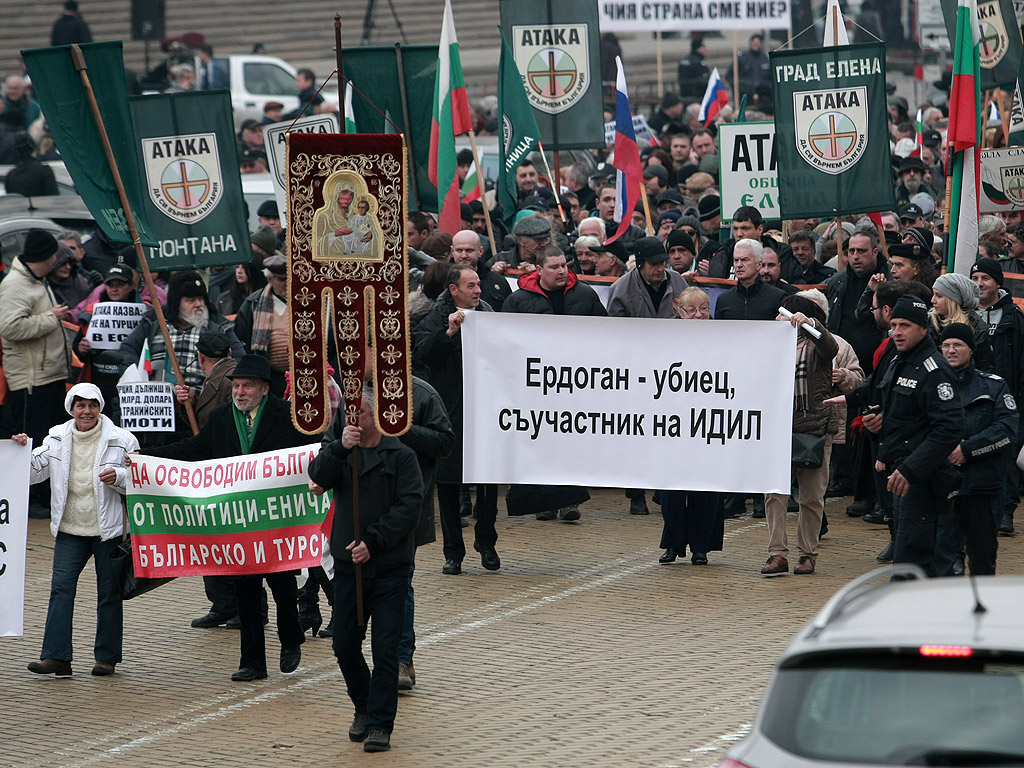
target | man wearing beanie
x=1005, y=324
x=920, y=420
x=991, y=427
x=35, y=347
x=681, y=251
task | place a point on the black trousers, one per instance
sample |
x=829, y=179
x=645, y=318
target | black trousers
x=247, y=590
x=978, y=520
x=376, y=694
x=917, y=519
x=451, y=521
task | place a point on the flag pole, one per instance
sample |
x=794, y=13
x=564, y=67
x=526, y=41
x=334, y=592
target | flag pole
x=837, y=19
x=661, y=79
x=647, y=210
x=78, y=59
x=735, y=68
x=483, y=192
x=357, y=567
x=554, y=181
x=408, y=132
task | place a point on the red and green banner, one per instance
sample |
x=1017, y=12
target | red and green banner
x=225, y=517
x=451, y=118
x=964, y=136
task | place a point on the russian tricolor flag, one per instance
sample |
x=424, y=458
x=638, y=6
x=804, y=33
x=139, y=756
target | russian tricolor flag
x=715, y=98
x=629, y=184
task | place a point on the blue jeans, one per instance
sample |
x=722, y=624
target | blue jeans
x=407, y=645
x=384, y=597
x=70, y=554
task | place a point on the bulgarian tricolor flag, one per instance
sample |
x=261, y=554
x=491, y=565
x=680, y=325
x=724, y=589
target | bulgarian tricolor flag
x=964, y=135
x=918, y=135
x=350, y=114
x=450, y=119
x=471, y=186
x=146, y=360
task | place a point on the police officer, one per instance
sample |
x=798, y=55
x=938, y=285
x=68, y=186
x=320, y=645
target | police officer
x=920, y=421
x=990, y=413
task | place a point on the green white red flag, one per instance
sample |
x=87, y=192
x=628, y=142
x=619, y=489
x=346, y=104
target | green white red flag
x=918, y=135
x=471, y=185
x=964, y=135
x=350, y=114
x=451, y=118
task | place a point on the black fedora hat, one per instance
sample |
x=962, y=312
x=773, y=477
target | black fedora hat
x=252, y=367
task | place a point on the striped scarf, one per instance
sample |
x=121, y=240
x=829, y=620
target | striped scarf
x=801, y=398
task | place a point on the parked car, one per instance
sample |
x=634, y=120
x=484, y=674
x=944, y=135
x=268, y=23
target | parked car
x=913, y=672
x=255, y=80
x=54, y=214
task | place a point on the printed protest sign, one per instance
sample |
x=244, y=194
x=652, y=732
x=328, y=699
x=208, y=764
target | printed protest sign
x=16, y=461
x=748, y=171
x=1002, y=180
x=566, y=400
x=692, y=15
x=641, y=128
x=147, y=406
x=243, y=514
x=276, y=147
x=112, y=322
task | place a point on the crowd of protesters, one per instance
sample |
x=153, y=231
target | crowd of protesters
x=908, y=378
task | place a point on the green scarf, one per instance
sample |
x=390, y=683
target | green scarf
x=243, y=432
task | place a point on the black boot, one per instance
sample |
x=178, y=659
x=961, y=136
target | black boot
x=309, y=606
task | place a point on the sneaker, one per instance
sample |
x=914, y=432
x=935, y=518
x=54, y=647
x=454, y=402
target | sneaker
x=638, y=506
x=55, y=667
x=774, y=565
x=568, y=514
x=805, y=565
x=547, y=514
x=357, y=731
x=377, y=740
x=405, y=682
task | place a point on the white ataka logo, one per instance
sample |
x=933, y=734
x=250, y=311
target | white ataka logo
x=994, y=42
x=831, y=127
x=183, y=175
x=554, y=60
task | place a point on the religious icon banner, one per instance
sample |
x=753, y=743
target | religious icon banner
x=831, y=131
x=189, y=162
x=348, y=274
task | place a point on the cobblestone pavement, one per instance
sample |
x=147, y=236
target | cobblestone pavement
x=581, y=651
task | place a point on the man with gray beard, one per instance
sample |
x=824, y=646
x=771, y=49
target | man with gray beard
x=912, y=171
x=189, y=312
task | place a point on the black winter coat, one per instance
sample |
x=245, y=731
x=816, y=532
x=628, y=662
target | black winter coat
x=390, y=496
x=579, y=298
x=844, y=290
x=1007, y=339
x=441, y=355
x=758, y=302
x=990, y=413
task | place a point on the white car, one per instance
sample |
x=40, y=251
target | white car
x=256, y=79
x=922, y=672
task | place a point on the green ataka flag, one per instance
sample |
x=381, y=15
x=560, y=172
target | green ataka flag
x=831, y=131
x=61, y=93
x=557, y=49
x=1000, y=42
x=519, y=132
x=186, y=144
x=1016, y=137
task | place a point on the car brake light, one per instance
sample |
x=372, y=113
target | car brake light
x=730, y=763
x=949, y=651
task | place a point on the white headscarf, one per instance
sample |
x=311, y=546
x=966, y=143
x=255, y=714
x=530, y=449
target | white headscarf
x=85, y=391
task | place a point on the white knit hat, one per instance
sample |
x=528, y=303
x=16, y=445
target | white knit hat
x=85, y=391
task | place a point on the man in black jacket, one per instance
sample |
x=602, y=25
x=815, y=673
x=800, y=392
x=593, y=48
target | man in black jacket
x=468, y=248
x=390, y=495
x=253, y=422
x=920, y=422
x=1005, y=324
x=752, y=298
x=438, y=346
x=748, y=223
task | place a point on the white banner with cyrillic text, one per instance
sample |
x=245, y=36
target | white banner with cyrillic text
x=112, y=322
x=16, y=461
x=628, y=403
x=692, y=15
x=147, y=406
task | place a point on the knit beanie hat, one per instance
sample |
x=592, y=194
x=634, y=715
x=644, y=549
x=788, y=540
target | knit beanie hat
x=39, y=246
x=911, y=308
x=960, y=331
x=989, y=267
x=959, y=288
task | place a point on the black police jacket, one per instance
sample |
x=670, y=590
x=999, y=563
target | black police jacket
x=922, y=413
x=990, y=414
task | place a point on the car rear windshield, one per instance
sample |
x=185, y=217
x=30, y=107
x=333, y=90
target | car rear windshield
x=900, y=710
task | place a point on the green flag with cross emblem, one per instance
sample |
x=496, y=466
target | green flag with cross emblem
x=831, y=131
x=189, y=163
x=999, y=41
x=557, y=49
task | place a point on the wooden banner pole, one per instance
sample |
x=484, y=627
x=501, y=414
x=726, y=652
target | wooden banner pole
x=78, y=59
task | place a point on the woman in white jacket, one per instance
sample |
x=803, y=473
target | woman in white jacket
x=84, y=459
